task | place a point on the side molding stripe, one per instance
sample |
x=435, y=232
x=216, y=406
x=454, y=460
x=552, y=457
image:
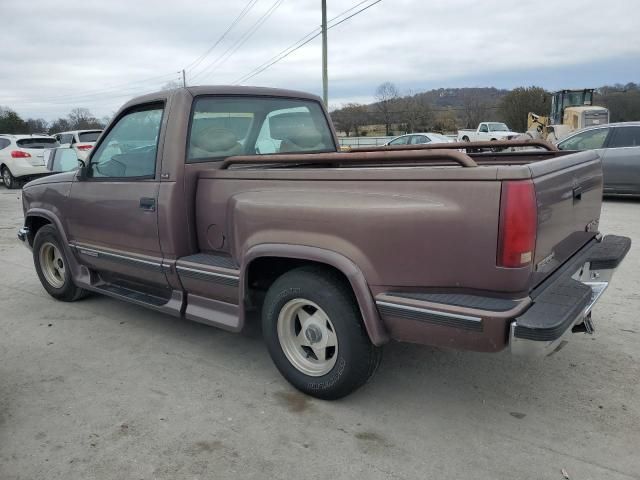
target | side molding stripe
x=466, y=322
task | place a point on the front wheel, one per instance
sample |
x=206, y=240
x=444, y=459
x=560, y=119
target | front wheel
x=315, y=335
x=52, y=266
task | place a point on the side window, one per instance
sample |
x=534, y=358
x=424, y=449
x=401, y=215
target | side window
x=400, y=141
x=4, y=143
x=484, y=128
x=129, y=149
x=589, y=140
x=419, y=139
x=64, y=138
x=626, y=137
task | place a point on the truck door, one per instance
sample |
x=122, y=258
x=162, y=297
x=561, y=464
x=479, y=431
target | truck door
x=113, y=225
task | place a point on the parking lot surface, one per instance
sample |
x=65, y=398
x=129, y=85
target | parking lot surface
x=100, y=389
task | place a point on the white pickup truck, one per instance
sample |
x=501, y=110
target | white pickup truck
x=487, y=131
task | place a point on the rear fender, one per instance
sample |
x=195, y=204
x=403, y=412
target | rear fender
x=373, y=324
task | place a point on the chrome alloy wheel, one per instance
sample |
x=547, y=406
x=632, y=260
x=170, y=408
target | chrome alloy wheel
x=307, y=337
x=52, y=265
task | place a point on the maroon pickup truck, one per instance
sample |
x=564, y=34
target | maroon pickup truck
x=208, y=203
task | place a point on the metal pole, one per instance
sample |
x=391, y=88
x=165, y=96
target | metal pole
x=325, y=76
x=184, y=79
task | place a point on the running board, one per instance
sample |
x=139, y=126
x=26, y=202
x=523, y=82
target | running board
x=171, y=305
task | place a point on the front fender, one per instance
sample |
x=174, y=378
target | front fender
x=77, y=272
x=370, y=316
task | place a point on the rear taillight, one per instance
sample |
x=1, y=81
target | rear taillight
x=20, y=154
x=84, y=147
x=518, y=223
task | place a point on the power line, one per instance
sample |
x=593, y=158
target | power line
x=242, y=40
x=288, y=51
x=119, y=87
x=98, y=97
x=240, y=16
x=313, y=34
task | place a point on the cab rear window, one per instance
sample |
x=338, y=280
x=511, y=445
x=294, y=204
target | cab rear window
x=37, y=143
x=227, y=126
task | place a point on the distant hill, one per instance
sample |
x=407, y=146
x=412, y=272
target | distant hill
x=448, y=109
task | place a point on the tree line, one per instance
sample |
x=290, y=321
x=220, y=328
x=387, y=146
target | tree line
x=449, y=109
x=77, y=119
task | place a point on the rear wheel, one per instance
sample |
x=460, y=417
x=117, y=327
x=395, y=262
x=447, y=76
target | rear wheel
x=8, y=179
x=314, y=333
x=495, y=149
x=52, y=266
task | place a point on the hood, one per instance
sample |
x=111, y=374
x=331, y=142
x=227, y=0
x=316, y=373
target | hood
x=505, y=134
x=55, y=178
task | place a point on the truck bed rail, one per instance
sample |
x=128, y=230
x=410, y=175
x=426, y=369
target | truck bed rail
x=496, y=144
x=356, y=157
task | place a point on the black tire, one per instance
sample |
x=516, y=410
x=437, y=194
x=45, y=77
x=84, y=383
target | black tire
x=465, y=139
x=356, y=357
x=67, y=291
x=8, y=180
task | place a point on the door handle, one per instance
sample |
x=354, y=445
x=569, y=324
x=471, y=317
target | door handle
x=148, y=204
x=577, y=193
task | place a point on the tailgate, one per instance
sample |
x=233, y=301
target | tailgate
x=37, y=156
x=569, y=196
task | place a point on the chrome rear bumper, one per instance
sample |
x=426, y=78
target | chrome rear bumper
x=565, y=301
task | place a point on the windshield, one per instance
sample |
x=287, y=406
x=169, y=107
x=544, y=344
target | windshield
x=498, y=127
x=576, y=99
x=89, y=136
x=37, y=143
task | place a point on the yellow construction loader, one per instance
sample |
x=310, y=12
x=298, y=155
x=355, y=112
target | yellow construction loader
x=570, y=110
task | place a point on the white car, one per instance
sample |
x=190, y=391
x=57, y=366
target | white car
x=22, y=157
x=419, y=139
x=82, y=141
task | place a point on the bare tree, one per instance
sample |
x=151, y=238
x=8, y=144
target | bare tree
x=474, y=109
x=387, y=95
x=37, y=125
x=416, y=112
x=350, y=118
x=59, y=125
x=81, y=118
x=516, y=105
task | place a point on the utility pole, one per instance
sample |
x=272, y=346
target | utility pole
x=325, y=76
x=184, y=79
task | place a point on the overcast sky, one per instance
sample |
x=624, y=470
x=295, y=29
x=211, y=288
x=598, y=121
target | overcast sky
x=97, y=54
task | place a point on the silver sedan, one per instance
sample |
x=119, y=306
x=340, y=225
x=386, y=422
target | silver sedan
x=419, y=139
x=618, y=145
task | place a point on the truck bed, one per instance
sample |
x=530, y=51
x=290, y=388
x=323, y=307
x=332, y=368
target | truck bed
x=400, y=200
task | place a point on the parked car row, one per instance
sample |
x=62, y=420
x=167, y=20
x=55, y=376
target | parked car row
x=617, y=144
x=22, y=157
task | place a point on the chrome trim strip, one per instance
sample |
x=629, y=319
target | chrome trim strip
x=96, y=253
x=206, y=273
x=429, y=312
